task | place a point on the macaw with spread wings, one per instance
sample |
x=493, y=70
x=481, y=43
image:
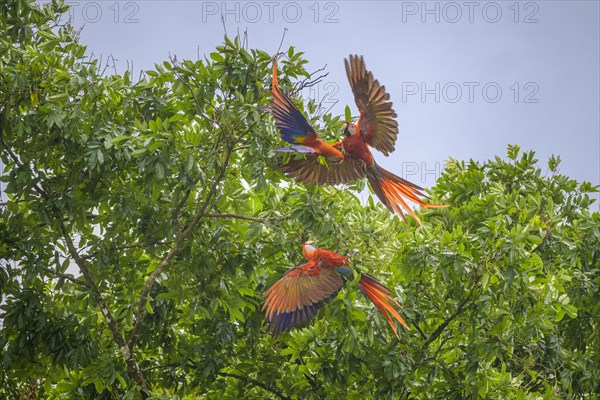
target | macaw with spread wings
x=350, y=159
x=305, y=289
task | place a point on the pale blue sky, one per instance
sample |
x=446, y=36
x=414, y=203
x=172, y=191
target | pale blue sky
x=542, y=55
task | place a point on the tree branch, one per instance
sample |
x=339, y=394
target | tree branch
x=310, y=81
x=244, y=217
x=255, y=383
x=444, y=324
x=68, y=277
x=134, y=369
x=185, y=83
x=165, y=262
x=310, y=377
x=181, y=236
x=175, y=216
x=120, y=248
x=418, y=328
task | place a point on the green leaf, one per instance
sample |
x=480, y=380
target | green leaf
x=99, y=157
x=560, y=312
x=118, y=140
x=217, y=57
x=347, y=114
x=159, y=170
x=570, y=310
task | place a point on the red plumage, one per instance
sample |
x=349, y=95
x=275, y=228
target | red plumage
x=376, y=127
x=305, y=289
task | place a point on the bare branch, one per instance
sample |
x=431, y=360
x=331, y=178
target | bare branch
x=282, y=39
x=310, y=81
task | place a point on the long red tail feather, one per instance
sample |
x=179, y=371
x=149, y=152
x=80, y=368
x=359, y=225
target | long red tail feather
x=382, y=298
x=393, y=191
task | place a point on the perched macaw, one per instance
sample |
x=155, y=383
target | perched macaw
x=305, y=289
x=376, y=127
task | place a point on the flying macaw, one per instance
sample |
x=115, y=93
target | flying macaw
x=305, y=289
x=376, y=127
x=296, y=130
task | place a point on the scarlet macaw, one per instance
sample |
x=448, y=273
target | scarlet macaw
x=305, y=289
x=350, y=159
x=296, y=130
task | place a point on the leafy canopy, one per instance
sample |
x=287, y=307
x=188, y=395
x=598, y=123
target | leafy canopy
x=144, y=220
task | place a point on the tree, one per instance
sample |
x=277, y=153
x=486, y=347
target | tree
x=144, y=220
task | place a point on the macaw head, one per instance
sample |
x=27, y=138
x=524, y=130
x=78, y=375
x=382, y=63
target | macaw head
x=349, y=129
x=308, y=248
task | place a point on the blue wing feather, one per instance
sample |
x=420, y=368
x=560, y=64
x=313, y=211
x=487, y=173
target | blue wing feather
x=296, y=149
x=289, y=120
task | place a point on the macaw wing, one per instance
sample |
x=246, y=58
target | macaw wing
x=299, y=295
x=377, y=118
x=294, y=128
x=310, y=169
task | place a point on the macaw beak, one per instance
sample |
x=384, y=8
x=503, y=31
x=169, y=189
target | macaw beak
x=346, y=129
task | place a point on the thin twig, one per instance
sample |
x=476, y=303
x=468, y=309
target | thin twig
x=310, y=81
x=185, y=83
x=119, y=248
x=310, y=377
x=281, y=42
x=68, y=277
x=439, y=349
